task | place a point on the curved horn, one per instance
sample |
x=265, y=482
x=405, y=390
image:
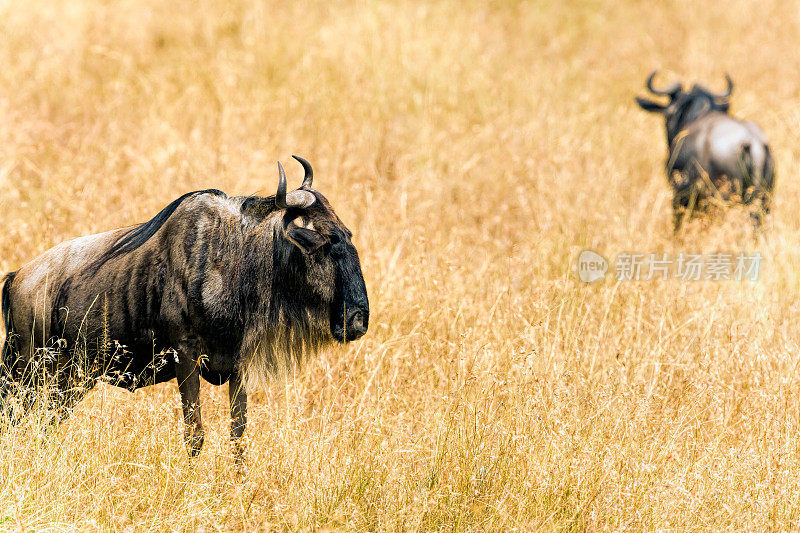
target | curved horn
x=309, y=177
x=280, y=196
x=298, y=198
x=728, y=92
x=669, y=91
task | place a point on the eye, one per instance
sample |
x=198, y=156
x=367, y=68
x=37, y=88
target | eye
x=333, y=238
x=303, y=222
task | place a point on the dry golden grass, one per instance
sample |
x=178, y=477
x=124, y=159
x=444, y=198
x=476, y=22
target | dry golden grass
x=474, y=149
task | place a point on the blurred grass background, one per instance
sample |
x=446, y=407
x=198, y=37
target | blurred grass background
x=474, y=148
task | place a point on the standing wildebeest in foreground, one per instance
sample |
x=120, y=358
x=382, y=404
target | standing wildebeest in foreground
x=212, y=286
x=711, y=154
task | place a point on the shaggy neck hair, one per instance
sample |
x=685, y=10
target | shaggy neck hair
x=689, y=107
x=285, y=321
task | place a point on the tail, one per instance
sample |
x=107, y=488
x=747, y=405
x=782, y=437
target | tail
x=759, y=179
x=768, y=173
x=749, y=168
x=8, y=346
x=767, y=183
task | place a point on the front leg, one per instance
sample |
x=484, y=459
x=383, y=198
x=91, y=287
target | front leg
x=187, y=370
x=238, y=401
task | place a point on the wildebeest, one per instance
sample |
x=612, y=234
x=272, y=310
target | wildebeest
x=213, y=286
x=710, y=153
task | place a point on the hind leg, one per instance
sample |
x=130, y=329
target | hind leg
x=758, y=213
x=684, y=194
x=6, y=398
x=15, y=397
x=681, y=209
x=66, y=397
x=16, y=401
x=54, y=400
x=759, y=207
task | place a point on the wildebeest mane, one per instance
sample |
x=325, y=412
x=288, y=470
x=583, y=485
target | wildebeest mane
x=696, y=104
x=292, y=322
x=138, y=235
x=258, y=206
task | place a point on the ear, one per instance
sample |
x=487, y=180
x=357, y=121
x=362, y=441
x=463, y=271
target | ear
x=649, y=105
x=309, y=241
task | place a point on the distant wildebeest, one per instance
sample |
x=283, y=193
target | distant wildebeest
x=213, y=286
x=710, y=153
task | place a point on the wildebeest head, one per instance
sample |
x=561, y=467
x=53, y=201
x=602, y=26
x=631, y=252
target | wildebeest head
x=320, y=256
x=684, y=107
